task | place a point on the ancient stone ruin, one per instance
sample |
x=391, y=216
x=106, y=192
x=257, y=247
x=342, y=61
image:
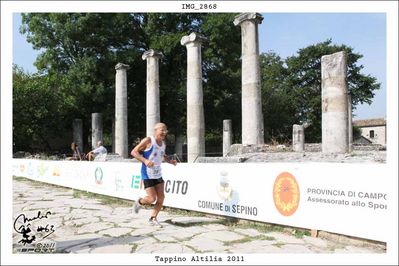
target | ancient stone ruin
x=152, y=104
x=195, y=105
x=336, y=106
x=121, y=145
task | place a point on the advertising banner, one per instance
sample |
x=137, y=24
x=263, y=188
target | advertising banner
x=323, y=196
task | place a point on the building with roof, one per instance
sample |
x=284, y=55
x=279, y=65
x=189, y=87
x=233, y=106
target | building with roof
x=373, y=130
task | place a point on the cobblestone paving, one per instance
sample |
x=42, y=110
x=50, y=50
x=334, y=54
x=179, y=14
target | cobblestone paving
x=82, y=224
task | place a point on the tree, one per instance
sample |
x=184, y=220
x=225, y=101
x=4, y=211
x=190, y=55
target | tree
x=38, y=111
x=80, y=51
x=163, y=33
x=303, y=84
x=279, y=106
x=221, y=75
x=221, y=67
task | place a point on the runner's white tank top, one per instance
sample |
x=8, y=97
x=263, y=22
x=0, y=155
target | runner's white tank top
x=154, y=153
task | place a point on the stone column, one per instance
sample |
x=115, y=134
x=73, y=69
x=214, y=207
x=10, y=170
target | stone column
x=96, y=129
x=179, y=146
x=113, y=135
x=227, y=136
x=298, y=138
x=350, y=125
x=121, y=145
x=334, y=95
x=195, y=106
x=78, y=133
x=251, y=101
x=153, y=113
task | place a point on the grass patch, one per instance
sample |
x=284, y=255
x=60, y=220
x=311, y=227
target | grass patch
x=19, y=178
x=301, y=233
x=134, y=248
x=248, y=239
x=279, y=244
x=195, y=250
x=152, y=236
x=169, y=221
x=108, y=200
x=36, y=183
x=238, y=241
x=79, y=225
x=224, y=220
x=269, y=238
x=261, y=227
x=230, y=221
x=183, y=212
x=234, y=223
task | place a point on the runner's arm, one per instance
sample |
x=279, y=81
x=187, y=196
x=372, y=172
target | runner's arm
x=166, y=159
x=136, y=152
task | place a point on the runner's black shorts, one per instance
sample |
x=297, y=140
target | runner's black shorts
x=152, y=182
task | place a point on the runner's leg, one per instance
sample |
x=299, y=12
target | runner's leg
x=151, y=196
x=159, y=188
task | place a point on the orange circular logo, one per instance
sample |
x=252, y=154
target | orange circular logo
x=286, y=194
x=56, y=171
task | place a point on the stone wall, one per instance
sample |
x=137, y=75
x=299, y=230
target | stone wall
x=281, y=153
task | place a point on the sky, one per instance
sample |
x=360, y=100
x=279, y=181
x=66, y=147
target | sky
x=285, y=34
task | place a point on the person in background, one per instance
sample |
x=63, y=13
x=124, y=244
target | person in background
x=99, y=151
x=76, y=156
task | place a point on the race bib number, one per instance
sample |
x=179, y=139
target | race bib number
x=154, y=171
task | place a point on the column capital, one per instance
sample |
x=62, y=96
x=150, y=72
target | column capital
x=334, y=65
x=334, y=56
x=151, y=53
x=121, y=66
x=256, y=17
x=194, y=37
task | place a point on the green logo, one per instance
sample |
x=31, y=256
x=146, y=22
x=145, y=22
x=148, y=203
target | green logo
x=41, y=170
x=136, y=180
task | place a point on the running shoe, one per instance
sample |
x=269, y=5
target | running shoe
x=137, y=206
x=154, y=222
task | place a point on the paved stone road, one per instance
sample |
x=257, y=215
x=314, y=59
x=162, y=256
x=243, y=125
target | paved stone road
x=86, y=225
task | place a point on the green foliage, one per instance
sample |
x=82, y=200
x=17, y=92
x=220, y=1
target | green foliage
x=80, y=51
x=300, y=233
x=304, y=79
x=356, y=132
x=76, y=76
x=221, y=72
x=279, y=105
x=292, y=89
x=163, y=33
x=37, y=118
